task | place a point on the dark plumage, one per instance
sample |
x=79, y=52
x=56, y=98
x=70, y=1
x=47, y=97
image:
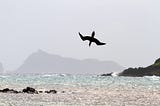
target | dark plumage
x=91, y=39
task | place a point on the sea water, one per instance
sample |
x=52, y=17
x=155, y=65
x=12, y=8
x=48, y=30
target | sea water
x=76, y=89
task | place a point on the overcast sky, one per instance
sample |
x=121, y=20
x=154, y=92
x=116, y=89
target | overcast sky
x=131, y=29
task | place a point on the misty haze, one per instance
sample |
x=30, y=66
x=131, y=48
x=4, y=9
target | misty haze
x=130, y=29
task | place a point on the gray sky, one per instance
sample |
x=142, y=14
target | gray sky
x=129, y=27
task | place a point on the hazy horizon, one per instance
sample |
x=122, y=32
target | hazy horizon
x=130, y=29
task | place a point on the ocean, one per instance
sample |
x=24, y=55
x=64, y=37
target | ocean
x=81, y=90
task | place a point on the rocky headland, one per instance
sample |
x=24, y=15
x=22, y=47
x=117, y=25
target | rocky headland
x=152, y=70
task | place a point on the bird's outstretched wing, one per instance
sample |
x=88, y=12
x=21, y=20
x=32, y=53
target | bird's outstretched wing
x=93, y=33
x=98, y=42
x=84, y=37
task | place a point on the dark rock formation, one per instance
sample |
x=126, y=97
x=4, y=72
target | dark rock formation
x=63, y=92
x=7, y=90
x=108, y=74
x=40, y=91
x=51, y=91
x=30, y=90
x=146, y=71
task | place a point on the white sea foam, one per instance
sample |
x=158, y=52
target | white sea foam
x=153, y=77
x=4, y=76
x=52, y=75
x=114, y=74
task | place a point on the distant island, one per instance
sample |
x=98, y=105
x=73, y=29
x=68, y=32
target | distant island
x=151, y=70
x=43, y=62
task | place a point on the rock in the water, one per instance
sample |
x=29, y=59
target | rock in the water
x=7, y=90
x=108, y=74
x=51, y=91
x=63, y=92
x=40, y=91
x=30, y=90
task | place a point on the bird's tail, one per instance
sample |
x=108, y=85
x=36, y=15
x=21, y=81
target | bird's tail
x=81, y=36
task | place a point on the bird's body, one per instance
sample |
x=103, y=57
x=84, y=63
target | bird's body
x=91, y=39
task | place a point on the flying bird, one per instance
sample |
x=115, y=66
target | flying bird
x=91, y=39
